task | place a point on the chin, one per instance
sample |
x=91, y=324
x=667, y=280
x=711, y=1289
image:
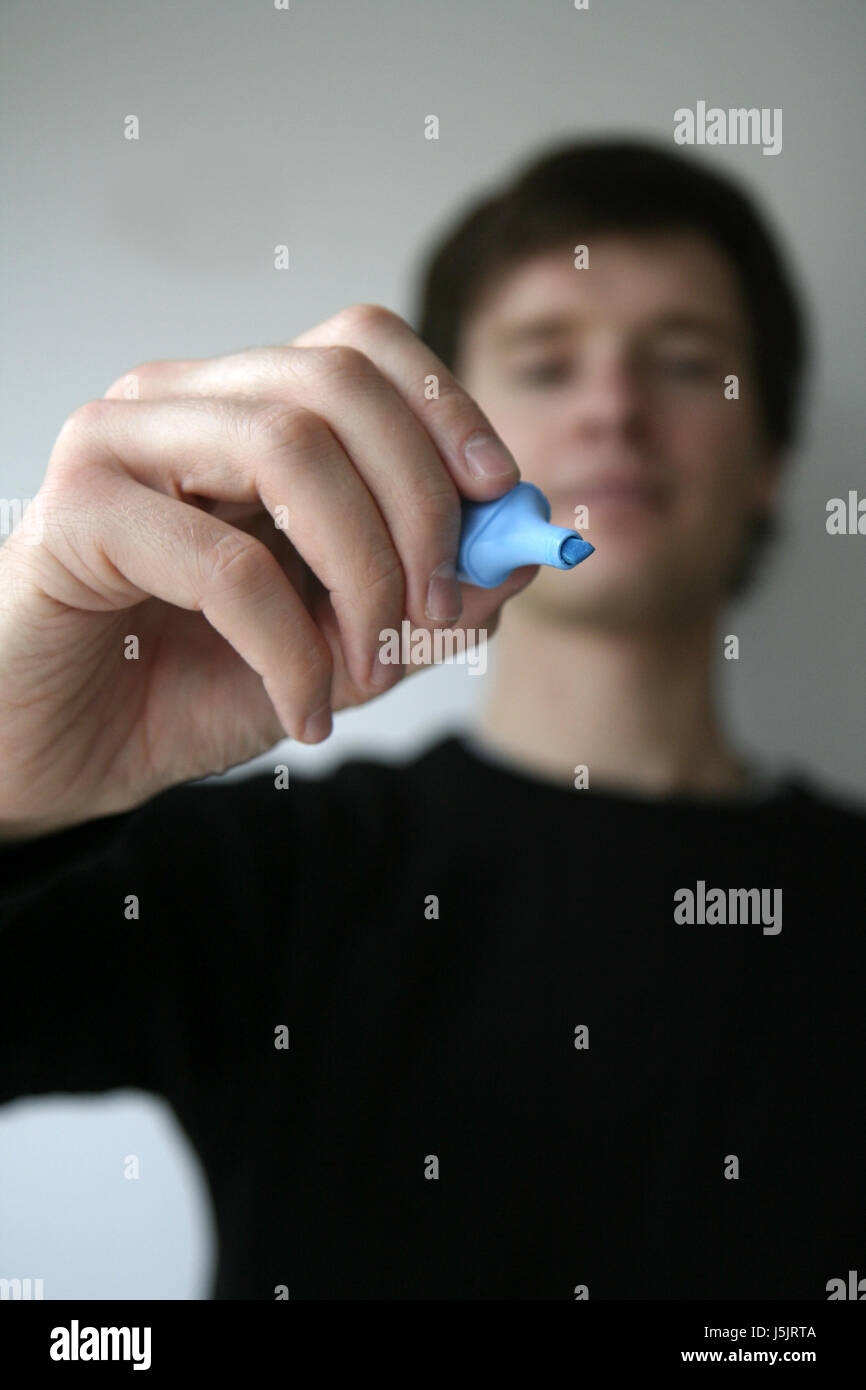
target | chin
x=617, y=596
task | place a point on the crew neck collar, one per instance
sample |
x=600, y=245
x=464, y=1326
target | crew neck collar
x=768, y=788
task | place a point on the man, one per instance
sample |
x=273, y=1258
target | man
x=569, y=1007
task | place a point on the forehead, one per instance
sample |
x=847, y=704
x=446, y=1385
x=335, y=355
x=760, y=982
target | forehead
x=630, y=281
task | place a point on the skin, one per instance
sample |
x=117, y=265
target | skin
x=255, y=521
x=612, y=665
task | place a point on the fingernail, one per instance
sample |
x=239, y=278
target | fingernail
x=318, y=726
x=384, y=671
x=487, y=457
x=444, y=600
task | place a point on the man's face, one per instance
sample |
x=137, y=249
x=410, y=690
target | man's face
x=608, y=385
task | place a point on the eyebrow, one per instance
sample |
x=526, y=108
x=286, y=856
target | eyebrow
x=534, y=330
x=552, y=326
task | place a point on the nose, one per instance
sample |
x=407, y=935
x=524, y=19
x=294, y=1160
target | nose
x=608, y=401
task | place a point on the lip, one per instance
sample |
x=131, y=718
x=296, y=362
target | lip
x=640, y=492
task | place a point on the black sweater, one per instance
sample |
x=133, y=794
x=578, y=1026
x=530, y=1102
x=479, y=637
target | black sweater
x=438, y=1030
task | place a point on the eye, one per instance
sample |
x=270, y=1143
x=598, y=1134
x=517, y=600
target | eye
x=685, y=367
x=541, y=373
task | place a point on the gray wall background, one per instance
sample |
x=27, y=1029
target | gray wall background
x=306, y=127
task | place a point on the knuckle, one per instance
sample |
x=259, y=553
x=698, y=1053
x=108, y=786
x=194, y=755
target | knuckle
x=380, y=569
x=126, y=386
x=382, y=573
x=238, y=560
x=82, y=438
x=287, y=427
x=458, y=412
x=330, y=359
x=347, y=360
x=452, y=392
x=86, y=418
x=362, y=318
x=442, y=504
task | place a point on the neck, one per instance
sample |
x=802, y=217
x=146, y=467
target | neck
x=637, y=709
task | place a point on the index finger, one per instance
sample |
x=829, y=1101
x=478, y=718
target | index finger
x=476, y=458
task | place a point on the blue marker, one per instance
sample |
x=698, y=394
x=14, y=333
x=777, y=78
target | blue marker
x=497, y=537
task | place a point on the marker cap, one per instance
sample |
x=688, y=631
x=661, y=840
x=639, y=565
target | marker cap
x=498, y=537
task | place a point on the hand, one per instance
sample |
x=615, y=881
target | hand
x=250, y=523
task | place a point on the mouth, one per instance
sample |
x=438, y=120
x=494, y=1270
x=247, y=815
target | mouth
x=615, y=495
